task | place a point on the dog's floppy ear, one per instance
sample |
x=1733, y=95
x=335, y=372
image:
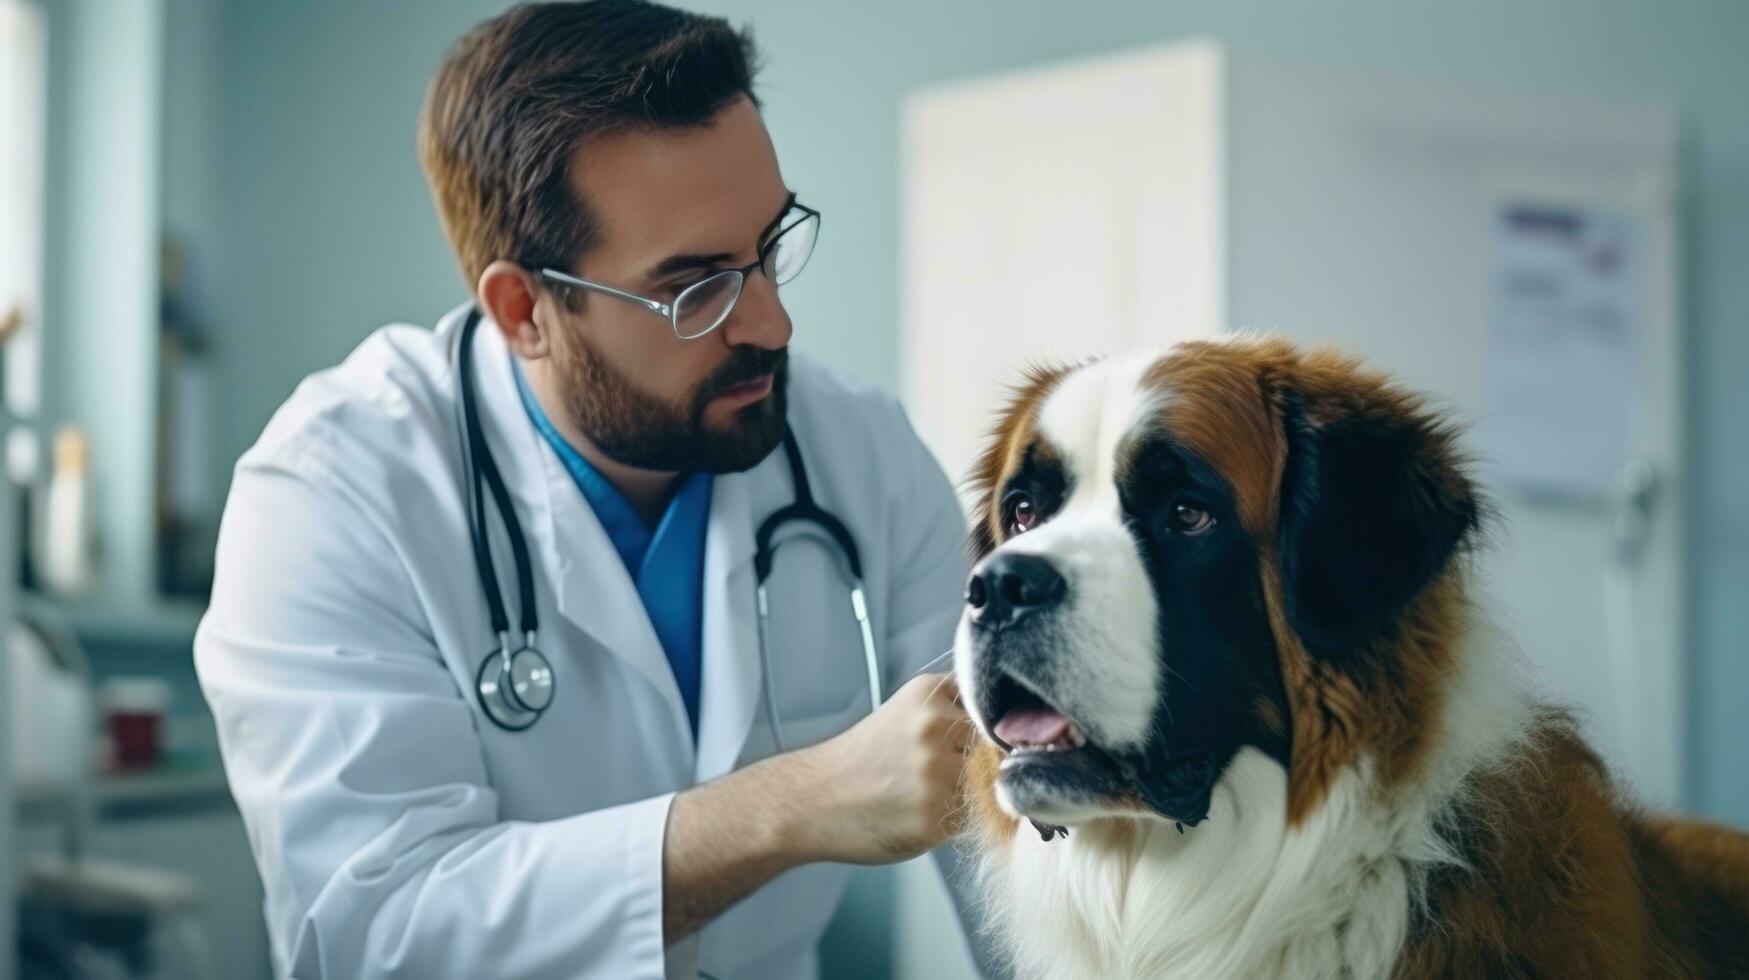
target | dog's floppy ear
x=1373, y=506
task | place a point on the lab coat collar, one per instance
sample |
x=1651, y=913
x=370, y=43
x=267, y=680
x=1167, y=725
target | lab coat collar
x=593, y=590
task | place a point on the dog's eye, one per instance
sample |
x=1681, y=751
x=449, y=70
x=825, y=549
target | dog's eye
x=1188, y=518
x=1022, y=513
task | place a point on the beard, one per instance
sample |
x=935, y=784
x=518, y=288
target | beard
x=635, y=428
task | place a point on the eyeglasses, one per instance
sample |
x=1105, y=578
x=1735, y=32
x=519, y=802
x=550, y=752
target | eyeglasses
x=704, y=305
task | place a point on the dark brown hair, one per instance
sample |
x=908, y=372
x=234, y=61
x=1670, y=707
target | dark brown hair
x=520, y=93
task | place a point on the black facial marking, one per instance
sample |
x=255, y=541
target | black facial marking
x=1041, y=473
x=1217, y=654
x=1041, y=479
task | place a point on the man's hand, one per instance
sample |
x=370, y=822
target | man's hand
x=888, y=786
x=881, y=792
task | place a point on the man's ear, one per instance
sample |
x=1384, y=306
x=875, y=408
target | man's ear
x=1373, y=505
x=508, y=295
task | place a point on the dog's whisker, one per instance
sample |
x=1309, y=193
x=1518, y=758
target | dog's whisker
x=1181, y=677
x=948, y=653
x=937, y=688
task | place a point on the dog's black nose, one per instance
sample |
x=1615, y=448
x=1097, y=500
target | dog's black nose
x=1007, y=588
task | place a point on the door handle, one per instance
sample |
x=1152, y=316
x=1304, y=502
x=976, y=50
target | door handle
x=1636, y=497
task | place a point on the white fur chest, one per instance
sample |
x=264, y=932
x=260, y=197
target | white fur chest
x=1237, y=896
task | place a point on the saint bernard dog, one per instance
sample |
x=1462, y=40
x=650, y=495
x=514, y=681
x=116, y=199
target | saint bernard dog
x=1240, y=715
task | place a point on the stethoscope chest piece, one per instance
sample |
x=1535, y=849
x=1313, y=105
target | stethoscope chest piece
x=515, y=687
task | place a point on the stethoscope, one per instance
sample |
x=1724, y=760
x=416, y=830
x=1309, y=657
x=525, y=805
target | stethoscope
x=515, y=684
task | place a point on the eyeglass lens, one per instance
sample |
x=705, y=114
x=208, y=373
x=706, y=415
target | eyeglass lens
x=701, y=307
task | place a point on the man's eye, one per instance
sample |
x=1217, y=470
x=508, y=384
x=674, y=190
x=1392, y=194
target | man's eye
x=1021, y=513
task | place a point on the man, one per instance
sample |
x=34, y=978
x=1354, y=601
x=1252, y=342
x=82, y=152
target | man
x=617, y=209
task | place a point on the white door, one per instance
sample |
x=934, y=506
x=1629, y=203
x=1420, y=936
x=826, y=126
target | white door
x=1043, y=223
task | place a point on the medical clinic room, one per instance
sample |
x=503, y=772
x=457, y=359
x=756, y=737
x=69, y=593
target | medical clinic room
x=772, y=489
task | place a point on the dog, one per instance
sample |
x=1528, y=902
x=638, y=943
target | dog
x=1240, y=715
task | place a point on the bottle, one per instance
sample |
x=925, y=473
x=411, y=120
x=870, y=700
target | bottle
x=69, y=539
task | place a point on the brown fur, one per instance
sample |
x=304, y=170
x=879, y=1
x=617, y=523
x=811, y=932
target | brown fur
x=1567, y=879
x=985, y=818
x=1564, y=878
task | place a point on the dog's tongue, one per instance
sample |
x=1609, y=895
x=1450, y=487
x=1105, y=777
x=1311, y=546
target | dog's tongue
x=1032, y=726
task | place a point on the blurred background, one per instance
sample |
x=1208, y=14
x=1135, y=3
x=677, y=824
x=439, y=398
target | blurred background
x=1537, y=212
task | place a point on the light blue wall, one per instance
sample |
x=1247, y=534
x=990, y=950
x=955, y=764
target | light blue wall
x=326, y=231
x=100, y=289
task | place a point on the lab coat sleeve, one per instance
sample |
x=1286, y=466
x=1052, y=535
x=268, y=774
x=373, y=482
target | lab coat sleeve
x=356, y=763
x=927, y=599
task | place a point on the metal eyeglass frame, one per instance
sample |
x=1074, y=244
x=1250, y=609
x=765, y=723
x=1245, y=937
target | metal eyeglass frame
x=670, y=312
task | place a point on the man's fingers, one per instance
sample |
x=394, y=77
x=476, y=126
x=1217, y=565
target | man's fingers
x=941, y=693
x=928, y=687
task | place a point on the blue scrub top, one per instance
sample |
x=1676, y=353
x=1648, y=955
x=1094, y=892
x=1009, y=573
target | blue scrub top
x=666, y=563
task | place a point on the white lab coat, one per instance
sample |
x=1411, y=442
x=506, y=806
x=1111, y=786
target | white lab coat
x=398, y=832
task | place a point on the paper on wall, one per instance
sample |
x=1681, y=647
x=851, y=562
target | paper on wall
x=1566, y=317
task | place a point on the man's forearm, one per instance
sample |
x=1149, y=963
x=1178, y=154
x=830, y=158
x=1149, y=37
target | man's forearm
x=727, y=838
x=879, y=792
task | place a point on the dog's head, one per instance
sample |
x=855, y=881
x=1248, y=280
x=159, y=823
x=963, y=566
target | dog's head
x=1232, y=545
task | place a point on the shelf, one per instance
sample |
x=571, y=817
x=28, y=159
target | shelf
x=164, y=621
x=153, y=794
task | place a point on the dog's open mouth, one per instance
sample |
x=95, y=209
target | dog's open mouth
x=1052, y=770
x=1026, y=723
x=1031, y=731
x=1039, y=729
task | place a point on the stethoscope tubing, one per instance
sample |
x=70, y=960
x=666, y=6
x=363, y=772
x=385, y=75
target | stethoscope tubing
x=515, y=699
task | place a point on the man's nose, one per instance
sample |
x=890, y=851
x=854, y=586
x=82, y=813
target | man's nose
x=758, y=317
x=1005, y=589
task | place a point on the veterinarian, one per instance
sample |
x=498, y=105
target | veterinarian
x=515, y=672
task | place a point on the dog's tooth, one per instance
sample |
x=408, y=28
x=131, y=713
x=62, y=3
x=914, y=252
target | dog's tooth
x=1077, y=737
